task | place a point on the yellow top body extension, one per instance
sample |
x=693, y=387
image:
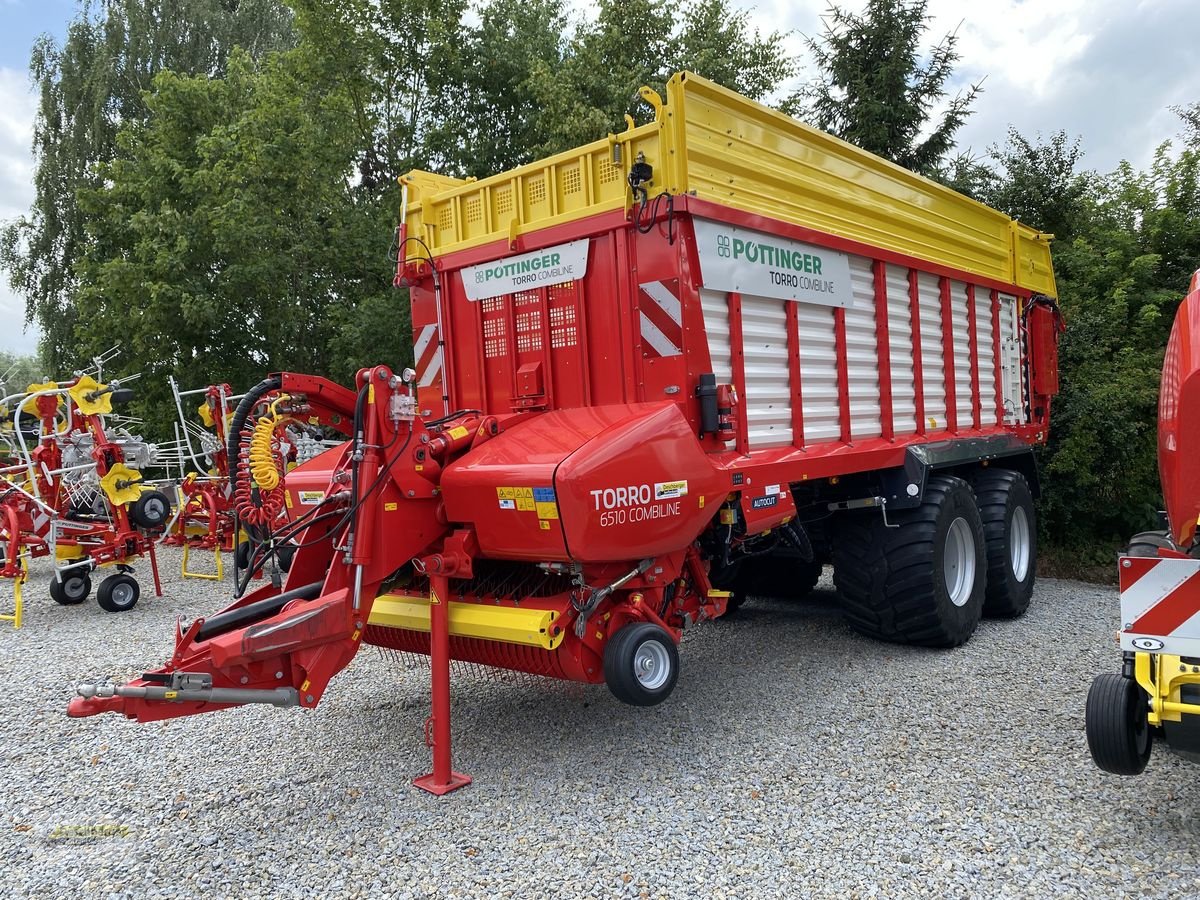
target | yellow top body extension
x=717, y=145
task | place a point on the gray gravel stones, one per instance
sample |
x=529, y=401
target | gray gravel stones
x=794, y=759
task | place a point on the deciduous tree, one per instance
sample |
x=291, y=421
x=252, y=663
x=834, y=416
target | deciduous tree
x=88, y=87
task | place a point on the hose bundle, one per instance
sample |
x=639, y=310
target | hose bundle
x=254, y=463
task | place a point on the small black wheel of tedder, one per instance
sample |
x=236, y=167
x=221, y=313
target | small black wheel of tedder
x=151, y=510
x=118, y=593
x=641, y=664
x=72, y=590
x=1118, y=734
x=242, y=555
x=284, y=553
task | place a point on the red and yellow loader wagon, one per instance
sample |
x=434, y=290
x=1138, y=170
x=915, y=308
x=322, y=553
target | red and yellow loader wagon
x=689, y=362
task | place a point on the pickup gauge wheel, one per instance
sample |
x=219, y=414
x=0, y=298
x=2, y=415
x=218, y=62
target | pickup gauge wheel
x=1118, y=734
x=284, y=553
x=1148, y=543
x=641, y=664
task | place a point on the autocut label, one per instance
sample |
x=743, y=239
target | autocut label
x=554, y=265
x=753, y=262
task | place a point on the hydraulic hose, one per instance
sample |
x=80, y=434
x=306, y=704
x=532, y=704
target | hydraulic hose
x=244, y=408
x=237, y=422
x=263, y=469
x=257, y=493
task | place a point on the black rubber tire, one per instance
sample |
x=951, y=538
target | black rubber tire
x=72, y=590
x=284, y=554
x=1118, y=734
x=620, y=664
x=118, y=593
x=1148, y=543
x=1000, y=494
x=892, y=580
x=152, y=510
x=242, y=555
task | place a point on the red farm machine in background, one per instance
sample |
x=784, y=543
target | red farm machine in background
x=698, y=359
x=204, y=517
x=76, y=493
x=1157, y=693
x=213, y=514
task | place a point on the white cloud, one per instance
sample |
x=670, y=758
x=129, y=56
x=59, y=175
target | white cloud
x=1103, y=70
x=17, y=110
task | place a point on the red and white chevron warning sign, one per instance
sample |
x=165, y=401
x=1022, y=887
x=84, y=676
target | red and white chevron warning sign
x=428, y=355
x=661, y=317
x=1160, y=605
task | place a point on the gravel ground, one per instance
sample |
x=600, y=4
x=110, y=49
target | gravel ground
x=794, y=759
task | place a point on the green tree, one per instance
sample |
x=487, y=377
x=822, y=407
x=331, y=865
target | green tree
x=399, y=62
x=717, y=41
x=1130, y=248
x=643, y=42
x=230, y=236
x=1190, y=115
x=88, y=88
x=18, y=371
x=1039, y=182
x=493, y=118
x=878, y=89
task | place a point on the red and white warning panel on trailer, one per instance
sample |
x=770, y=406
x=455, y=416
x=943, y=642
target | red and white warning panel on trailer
x=1160, y=605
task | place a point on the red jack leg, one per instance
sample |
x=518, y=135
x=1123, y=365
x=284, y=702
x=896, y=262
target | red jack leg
x=443, y=779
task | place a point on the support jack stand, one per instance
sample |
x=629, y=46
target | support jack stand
x=442, y=780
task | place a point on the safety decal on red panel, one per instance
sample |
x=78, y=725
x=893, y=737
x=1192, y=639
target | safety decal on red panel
x=1160, y=605
x=428, y=354
x=661, y=318
x=539, y=500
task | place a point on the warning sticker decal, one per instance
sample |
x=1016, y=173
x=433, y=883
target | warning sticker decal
x=528, y=499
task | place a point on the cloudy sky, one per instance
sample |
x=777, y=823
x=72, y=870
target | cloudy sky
x=1103, y=70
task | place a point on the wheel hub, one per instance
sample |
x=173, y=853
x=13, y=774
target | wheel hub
x=958, y=563
x=652, y=665
x=1020, y=545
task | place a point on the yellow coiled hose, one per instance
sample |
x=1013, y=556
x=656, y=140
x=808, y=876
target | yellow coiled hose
x=261, y=458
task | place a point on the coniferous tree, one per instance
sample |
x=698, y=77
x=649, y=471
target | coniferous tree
x=879, y=90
